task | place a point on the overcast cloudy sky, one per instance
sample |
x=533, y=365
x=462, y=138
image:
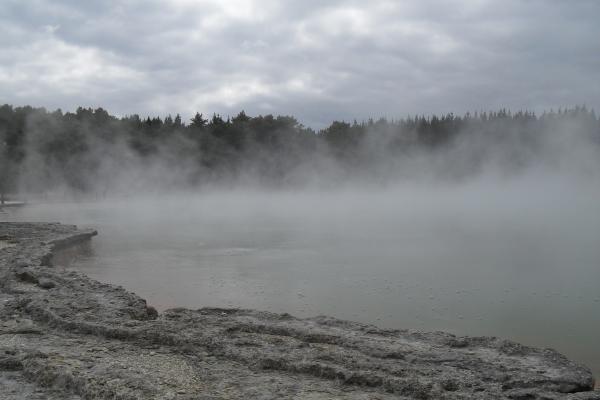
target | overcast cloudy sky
x=317, y=60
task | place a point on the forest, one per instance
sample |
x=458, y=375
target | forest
x=92, y=151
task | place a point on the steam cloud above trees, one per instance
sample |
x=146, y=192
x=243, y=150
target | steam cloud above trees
x=92, y=152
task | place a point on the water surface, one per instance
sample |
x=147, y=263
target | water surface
x=475, y=259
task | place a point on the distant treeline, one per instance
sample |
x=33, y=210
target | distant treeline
x=41, y=150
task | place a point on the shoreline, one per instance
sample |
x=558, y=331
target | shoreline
x=64, y=335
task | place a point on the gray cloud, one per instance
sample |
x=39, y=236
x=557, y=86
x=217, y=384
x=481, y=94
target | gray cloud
x=317, y=60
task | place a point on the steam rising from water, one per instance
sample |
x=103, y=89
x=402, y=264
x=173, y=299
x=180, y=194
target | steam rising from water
x=514, y=257
x=92, y=154
x=487, y=235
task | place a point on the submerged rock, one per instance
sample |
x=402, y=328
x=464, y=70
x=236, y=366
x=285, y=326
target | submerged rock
x=86, y=339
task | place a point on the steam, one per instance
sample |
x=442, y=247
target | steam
x=114, y=158
x=491, y=232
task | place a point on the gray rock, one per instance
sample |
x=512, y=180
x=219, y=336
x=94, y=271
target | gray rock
x=46, y=283
x=26, y=275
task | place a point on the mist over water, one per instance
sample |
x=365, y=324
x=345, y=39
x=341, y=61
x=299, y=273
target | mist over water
x=514, y=257
x=476, y=225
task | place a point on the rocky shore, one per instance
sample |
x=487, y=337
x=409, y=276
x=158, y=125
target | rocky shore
x=65, y=336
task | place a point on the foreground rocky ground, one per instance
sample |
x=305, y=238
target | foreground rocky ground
x=65, y=336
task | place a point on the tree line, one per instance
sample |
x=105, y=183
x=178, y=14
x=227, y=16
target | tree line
x=41, y=149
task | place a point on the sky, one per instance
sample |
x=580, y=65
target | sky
x=316, y=60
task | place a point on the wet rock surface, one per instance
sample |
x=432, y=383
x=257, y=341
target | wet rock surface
x=65, y=336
